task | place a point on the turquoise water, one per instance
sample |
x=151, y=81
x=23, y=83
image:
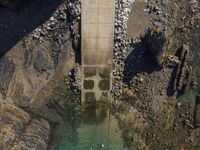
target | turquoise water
x=98, y=130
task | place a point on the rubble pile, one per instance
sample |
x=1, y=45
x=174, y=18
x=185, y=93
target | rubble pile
x=67, y=16
x=74, y=84
x=121, y=43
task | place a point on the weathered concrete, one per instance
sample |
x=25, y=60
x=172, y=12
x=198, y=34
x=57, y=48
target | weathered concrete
x=97, y=41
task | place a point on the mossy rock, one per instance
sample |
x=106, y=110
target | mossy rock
x=89, y=71
x=88, y=84
x=90, y=97
x=104, y=84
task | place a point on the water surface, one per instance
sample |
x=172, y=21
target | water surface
x=97, y=130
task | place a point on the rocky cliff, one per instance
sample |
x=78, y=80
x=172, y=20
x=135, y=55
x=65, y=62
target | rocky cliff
x=20, y=131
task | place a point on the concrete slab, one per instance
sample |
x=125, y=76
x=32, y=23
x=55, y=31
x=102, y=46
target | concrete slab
x=90, y=44
x=106, y=16
x=89, y=58
x=104, y=45
x=90, y=3
x=97, y=45
x=90, y=16
x=105, y=31
x=89, y=31
x=106, y=3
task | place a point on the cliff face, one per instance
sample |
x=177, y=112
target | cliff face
x=19, y=131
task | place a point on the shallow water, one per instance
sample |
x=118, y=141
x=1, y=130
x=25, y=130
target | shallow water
x=97, y=130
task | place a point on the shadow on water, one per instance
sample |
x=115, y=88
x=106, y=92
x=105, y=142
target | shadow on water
x=14, y=25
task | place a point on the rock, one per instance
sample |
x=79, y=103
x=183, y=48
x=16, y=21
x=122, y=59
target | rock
x=41, y=63
x=178, y=105
x=7, y=69
x=36, y=136
x=16, y=125
x=172, y=61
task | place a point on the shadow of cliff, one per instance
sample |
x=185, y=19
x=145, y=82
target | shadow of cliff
x=138, y=61
x=14, y=25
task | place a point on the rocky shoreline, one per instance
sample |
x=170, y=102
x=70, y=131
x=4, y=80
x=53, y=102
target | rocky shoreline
x=152, y=75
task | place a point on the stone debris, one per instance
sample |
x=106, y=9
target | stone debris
x=172, y=61
x=121, y=43
x=60, y=20
x=74, y=83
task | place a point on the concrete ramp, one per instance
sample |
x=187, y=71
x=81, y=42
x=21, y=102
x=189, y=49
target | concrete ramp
x=97, y=31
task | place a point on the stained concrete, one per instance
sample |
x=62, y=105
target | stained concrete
x=97, y=29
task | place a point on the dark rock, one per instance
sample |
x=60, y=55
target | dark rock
x=7, y=69
x=197, y=112
x=41, y=63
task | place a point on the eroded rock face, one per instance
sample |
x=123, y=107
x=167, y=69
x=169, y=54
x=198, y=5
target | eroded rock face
x=24, y=71
x=18, y=131
x=35, y=136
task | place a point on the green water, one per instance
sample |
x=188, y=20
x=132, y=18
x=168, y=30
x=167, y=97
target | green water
x=97, y=130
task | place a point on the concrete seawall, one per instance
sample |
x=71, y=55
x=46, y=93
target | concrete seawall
x=97, y=48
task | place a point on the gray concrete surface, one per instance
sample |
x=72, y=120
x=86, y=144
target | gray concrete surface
x=97, y=30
